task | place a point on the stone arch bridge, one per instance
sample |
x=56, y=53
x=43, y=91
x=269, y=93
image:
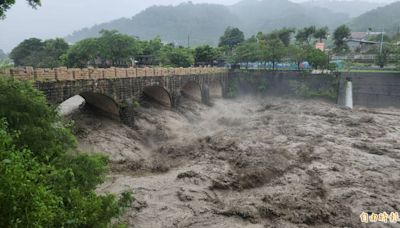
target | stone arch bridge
x=115, y=90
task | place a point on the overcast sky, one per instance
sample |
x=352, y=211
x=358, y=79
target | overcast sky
x=58, y=18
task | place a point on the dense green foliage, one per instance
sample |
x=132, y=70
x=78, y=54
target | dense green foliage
x=110, y=49
x=203, y=23
x=317, y=58
x=277, y=46
x=6, y=5
x=321, y=34
x=151, y=54
x=285, y=35
x=119, y=50
x=305, y=35
x=384, y=54
x=83, y=53
x=37, y=53
x=206, y=55
x=176, y=57
x=232, y=37
x=308, y=35
x=43, y=182
x=26, y=111
x=339, y=35
x=273, y=50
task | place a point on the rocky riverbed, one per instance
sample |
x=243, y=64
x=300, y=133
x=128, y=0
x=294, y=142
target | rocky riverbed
x=250, y=162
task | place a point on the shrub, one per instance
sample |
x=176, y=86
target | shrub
x=43, y=182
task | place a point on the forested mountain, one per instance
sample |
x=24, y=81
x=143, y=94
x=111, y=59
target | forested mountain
x=268, y=15
x=387, y=17
x=205, y=23
x=201, y=23
x=350, y=8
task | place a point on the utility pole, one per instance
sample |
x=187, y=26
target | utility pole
x=188, y=41
x=381, y=48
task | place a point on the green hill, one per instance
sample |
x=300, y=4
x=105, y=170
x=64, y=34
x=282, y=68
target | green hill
x=268, y=15
x=387, y=17
x=350, y=8
x=201, y=22
x=205, y=23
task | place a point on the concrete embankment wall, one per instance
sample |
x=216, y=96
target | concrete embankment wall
x=369, y=89
x=375, y=90
x=291, y=83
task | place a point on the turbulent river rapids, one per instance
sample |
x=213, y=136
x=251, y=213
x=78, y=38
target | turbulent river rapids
x=250, y=162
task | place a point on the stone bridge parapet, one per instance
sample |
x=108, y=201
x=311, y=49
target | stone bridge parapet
x=70, y=74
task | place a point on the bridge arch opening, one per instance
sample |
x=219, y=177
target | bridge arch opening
x=71, y=105
x=215, y=88
x=192, y=90
x=99, y=103
x=157, y=94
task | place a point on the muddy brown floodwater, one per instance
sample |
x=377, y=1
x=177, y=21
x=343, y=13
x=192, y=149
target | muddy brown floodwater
x=251, y=162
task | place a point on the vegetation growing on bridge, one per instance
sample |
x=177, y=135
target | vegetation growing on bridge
x=44, y=182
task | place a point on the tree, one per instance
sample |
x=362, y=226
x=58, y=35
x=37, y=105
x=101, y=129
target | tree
x=25, y=200
x=273, y=50
x=317, y=58
x=28, y=52
x=383, y=56
x=83, y=53
x=248, y=51
x=151, y=54
x=44, y=182
x=340, y=35
x=298, y=54
x=321, y=33
x=26, y=111
x=6, y=5
x=285, y=35
x=177, y=57
x=33, y=52
x=52, y=52
x=231, y=38
x=117, y=49
x=304, y=35
x=205, y=55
